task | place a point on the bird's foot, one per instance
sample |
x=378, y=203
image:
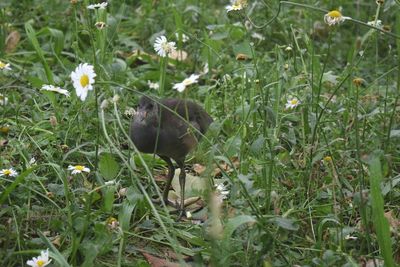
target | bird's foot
x=167, y=202
x=181, y=214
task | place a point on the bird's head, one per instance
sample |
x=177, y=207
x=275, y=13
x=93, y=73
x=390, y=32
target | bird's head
x=147, y=111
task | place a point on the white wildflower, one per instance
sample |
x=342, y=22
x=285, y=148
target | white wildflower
x=186, y=82
x=56, y=89
x=163, y=47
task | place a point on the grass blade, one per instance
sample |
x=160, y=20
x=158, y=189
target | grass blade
x=380, y=222
x=30, y=32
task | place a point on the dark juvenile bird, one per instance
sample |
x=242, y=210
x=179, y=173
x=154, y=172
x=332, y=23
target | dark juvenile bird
x=170, y=128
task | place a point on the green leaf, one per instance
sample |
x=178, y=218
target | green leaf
x=235, y=222
x=108, y=166
x=258, y=145
x=285, y=223
x=108, y=193
x=125, y=214
x=58, y=37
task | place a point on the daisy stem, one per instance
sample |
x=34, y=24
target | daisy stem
x=358, y=157
x=164, y=62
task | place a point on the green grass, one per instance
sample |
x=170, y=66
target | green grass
x=314, y=185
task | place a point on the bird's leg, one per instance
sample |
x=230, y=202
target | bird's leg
x=170, y=176
x=182, y=180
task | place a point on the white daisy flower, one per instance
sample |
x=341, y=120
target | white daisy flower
x=4, y=66
x=41, y=260
x=292, y=103
x=8, y=172
x=186, y=82
x=163, y=47
x=334, y=17
x=152, y=85
x=78, y=169
x=99, y=6
x=83, y=79
x=56, y=89
x=185, y=38
x=236, y=5
x=3, y=100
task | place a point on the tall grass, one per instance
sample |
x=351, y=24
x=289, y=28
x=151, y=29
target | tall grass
x=301, y=188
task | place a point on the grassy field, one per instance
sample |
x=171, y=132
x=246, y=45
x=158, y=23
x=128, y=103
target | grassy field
x=299, y=168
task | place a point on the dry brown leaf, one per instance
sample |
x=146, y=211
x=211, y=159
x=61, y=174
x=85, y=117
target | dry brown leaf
x=158, y=262
x=179, y=55
x=393, y=221
x=56, y=241
x=172, y=255
x=242, y=57
x=226, y=167
x=198, y=168
x=373, y=263
x=3, y=142
x=12, y=41
x=160, y=178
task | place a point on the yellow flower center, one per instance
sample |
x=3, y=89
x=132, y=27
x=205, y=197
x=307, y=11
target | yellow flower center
x=335, y=14
x=239, y=4
x=111, y=220
x=294, y=101
x=40, y=263
x=187, y=82
x=79, y=167
x=7, y=172
x=84, y=80
x=327, y=158
x=2, y=65
x=166, y=47
x=236, y=6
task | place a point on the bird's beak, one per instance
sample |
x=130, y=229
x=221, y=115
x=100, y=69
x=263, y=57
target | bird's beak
x=142, y=114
